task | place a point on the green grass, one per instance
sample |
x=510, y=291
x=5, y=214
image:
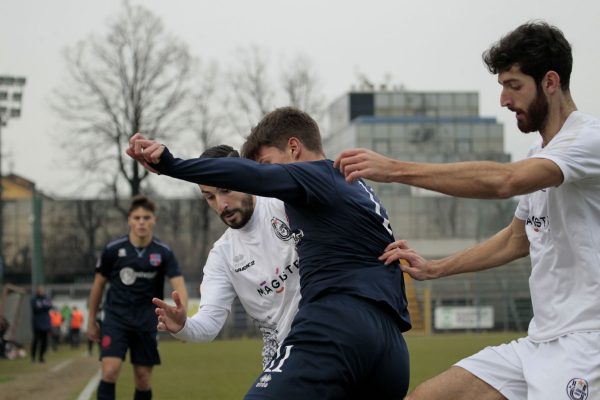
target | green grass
x=9, y=369
x=224, y=370
x=430, y=355
x=210, y=371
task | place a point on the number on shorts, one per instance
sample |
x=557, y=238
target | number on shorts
x=270, y=368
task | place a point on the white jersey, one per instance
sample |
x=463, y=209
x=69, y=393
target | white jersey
x=259, y=264
x=563, y=227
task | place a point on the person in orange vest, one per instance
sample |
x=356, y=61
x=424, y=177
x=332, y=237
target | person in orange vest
x=56, y=321
x=75, y=326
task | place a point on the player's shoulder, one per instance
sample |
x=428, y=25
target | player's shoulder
x=161, y=245
x=580, y=125
x=270, y=203
x=116, y=243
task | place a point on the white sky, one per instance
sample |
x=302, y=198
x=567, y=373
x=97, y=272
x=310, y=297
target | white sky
x=424, y=45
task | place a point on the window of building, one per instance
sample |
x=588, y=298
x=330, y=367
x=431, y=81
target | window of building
x=398, y=100
x=3, y=95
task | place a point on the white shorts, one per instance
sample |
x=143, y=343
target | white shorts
x=566, y=368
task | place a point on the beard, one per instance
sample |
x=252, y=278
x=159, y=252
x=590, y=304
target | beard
x=536, y=114
x=246, y=209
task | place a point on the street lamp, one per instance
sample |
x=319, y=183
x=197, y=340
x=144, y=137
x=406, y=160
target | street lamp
x=11, y=97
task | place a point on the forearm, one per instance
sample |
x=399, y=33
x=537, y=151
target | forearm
x=178, y=284
x=231, y=173
x=94, y=300
x=204, y=326
x=500, y=249
x=473, y=179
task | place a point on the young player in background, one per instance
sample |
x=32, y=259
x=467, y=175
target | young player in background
x=136, y=266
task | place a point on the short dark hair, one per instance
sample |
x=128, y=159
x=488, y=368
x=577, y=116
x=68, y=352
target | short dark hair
x=536, y=47
x=219, y=151
x=141, y=201
x=278, y=126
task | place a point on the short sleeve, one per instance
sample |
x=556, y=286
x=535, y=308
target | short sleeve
x=576, y=152
x=172, y=269
x=522, y=211
x=105, y=263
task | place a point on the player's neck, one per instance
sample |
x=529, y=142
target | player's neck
x=140, y=241
x=311, y=156
x=559, y=112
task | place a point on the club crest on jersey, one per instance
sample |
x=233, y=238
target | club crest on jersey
x=155, y=259
x=281, y=229
x=122, y=252
x=577, y=389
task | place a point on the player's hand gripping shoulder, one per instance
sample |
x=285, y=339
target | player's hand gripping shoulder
x=170, y=319
x=145, y=151
x=412, y=263
x=363, y=163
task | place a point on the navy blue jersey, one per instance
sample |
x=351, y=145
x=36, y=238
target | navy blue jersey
x=341, y=229
x=40, y=312
x=135, y=276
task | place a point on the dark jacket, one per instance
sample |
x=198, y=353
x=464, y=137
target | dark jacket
x=40, y=307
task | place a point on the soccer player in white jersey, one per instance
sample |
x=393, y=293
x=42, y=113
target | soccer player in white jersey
x=557, y=222
x=255, y=260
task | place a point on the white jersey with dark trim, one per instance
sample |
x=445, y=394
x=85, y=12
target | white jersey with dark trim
x=259, y=264
x=563, y=228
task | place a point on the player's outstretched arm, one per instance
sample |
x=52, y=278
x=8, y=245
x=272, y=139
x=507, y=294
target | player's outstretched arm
x=471, y=179
x=507, y=245
x=170, y=318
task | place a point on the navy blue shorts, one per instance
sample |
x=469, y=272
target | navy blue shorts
x=339, y=347
x=116, y=339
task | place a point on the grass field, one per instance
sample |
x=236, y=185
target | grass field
x=226, y=369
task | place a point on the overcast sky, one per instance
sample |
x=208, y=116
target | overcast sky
x=425, y=45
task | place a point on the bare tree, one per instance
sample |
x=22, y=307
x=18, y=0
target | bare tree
x=134, y=79
x=79, y=229
x=255, y=91
x=252, y=93
x=300, y=84
x=208, y=121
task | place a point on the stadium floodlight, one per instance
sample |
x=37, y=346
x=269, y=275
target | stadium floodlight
x=11, y=97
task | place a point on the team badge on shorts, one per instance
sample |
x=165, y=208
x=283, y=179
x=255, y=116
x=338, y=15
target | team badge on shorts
x=577, y=389
x=105, y=342
x=155, y=259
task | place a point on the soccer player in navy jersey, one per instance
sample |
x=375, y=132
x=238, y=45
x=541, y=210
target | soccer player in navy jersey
x=135, y=265
x=346, y=339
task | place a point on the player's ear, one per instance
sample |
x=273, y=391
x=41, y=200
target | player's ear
x=551, y=82
x=294, y=147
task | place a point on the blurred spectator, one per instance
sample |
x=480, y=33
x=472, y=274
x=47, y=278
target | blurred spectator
x=56, y=321
x=75, y=326
x=40, y=307
x=3, y=328
x=66, y=316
